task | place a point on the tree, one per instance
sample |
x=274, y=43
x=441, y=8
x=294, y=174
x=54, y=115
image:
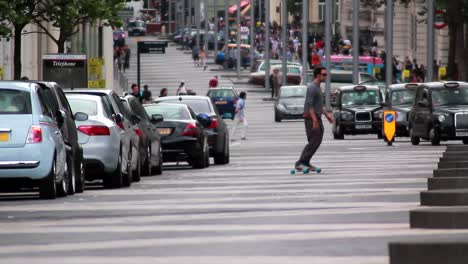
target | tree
x=457, y=20
x=66, y=15
x=15, y=15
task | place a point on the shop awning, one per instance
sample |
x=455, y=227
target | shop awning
x=233, y=8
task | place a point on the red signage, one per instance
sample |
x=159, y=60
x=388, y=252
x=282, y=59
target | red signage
x=439, y=19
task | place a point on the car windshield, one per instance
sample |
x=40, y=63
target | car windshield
x=136, y=24
x=198, y=106
x=402, y=97
x=15, y=102
x=169, y=112
x=263, y=67
x=341, y=78
x=294, y=70
x=221, y=93
x=450, y=96
x=293, y=92
x=367, y=97
x=88, y=107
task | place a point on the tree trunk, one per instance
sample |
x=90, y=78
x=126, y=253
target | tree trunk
x=61, y=43
x=17, y=52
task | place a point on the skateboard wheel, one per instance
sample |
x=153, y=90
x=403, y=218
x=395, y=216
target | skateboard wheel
x=305, y=171
x=293, y=171
x=318, y=170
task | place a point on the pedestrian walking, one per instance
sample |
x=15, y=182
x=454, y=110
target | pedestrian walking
x=213, y=83
x=126, y=62
x=240, y=117
x=196, y=56
x=203, y=58
x=147, y=96
x=182, y=90
x=136, y=92
x=313, y=110
x=276, y=81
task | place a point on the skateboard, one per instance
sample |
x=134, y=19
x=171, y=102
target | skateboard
x=306, y=171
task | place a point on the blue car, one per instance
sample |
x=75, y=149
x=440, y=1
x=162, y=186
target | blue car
x=225, y=100
x=32, y=149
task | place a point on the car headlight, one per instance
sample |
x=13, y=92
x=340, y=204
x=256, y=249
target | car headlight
x=281, y=108
x=400, y=116
x=346, y=115
x=441, y=118
x=378, y=114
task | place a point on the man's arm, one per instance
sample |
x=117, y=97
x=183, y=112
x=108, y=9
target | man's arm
x=328, y=115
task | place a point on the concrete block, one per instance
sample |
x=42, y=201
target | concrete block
x=440, y=218
x=444, y=197
x=452, y=172
x=455, y=154
x=453, y=159
x=452, y=164
x=442, y=251
x=441, y=183
x=457, y=148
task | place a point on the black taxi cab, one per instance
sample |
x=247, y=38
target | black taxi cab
x=357, y=110
x=400, y=98
x=439, y=112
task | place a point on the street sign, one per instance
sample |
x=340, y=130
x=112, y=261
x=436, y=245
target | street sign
x=439, y=19
x=389, y=124
x=152, y=47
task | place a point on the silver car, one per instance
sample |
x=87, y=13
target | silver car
x=32, y=150
x=106, y=139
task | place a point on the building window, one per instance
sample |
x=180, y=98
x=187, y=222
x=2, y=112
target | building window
x=321, y=9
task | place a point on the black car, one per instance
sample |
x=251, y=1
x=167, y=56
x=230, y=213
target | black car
x=358, y=110
x=290, y=104
x=59, y=104
x=439, y=112
x=183, y=136
x=150, y=155
x=218, y=133
x=136, y=27
x=400, y=98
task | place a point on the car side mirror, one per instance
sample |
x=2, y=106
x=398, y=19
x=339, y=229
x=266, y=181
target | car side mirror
x=423, y=103
x=118, y=118
x=204, y=119
x=135, y=119
x=80, y=116
x=156, y=118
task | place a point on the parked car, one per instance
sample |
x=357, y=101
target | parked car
x=293, y=75
x=400, y=98
x=150, y=155
x=29, y=126
x=59, y=104
x=183, y=136
x=225, y=100
x=136, y=27
x=218, y=133
x=290, y=104
x=340, y=78
x=439, y=112
x=358, y=110
x=110, y=145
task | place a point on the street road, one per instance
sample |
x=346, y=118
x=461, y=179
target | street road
x=250, y=211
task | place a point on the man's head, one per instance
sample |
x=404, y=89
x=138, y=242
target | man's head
x=135, y=88
x=275, y=70
x=145, y=87
x=320, y=74
x=243, y=95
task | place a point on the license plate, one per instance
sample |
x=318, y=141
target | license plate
x=4, y=136
x=462, y=134
x=164, y=131
x=221, y=102
x=363, y=126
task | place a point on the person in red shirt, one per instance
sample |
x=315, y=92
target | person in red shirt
x=213, y=83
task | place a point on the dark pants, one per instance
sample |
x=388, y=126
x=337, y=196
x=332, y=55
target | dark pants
x=314, y=138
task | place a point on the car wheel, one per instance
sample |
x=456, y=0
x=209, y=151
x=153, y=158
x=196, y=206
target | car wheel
x=379, y=134
x=71, y=175
x=223, y=157
x=434, y=137
x=414, y=140
x=128, y=179
x=338, y=134
x=277, y=117
x=147, y=164
x=158, y=169
x=199, y=157
x=80, y=176
x=47, y=187
x=137, y=172
x=62, y=185
x=114, y=179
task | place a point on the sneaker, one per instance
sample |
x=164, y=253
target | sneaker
x=204, y=68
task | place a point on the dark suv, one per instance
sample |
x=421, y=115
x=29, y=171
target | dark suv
x=358, y=110
x=59, y=104
x=439, y=112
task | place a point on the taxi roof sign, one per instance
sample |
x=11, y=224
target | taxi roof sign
x=411, y=85
x=359, y=88
x=451, y=85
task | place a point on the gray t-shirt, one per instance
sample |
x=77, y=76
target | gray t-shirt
x=313, y=100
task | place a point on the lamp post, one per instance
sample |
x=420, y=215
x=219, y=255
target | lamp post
x=355, y=45
x=328, y=21
x=284, y=25
x=305, y=30
x=238, y=60
x=430, y=41
x=267, y=44
x=389, y=44
x=252, y=32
